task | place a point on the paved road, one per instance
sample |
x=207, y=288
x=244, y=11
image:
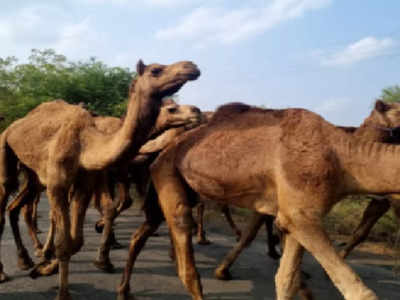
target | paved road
x=155, y=277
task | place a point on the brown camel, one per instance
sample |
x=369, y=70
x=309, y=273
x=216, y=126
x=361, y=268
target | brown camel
x=61, y=144
x=290, y=163
x=171, y=115
x=381, y=125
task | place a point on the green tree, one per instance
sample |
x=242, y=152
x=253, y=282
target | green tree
x=48, y=75
x=391, y=94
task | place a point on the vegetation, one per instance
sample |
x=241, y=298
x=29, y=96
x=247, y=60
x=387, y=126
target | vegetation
x=391, y=94
x=48, y=76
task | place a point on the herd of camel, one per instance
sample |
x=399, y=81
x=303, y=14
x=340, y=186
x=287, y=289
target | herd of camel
x=289, y=166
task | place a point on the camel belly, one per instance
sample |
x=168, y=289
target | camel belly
x=235, y=172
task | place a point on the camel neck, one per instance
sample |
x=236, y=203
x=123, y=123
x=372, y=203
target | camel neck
x=369, y=167
x=106, y=150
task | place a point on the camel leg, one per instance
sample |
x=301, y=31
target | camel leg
x=375, y=210
x=34, y=212
x=29, y=215
x=273, y=239
x=222, y=271
x=58, y=198
x=178, y=214
x=309, y=233
x=109, y=213
x=227, y=212
x=154, y=217
x=8, y=184
x=4, y=195
x=288, y=278
x=201, y=234
x=22, y=201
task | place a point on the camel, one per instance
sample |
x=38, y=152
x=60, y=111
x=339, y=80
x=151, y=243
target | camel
x=61, y=145
x=290, y=163
x=171, y=115
x=380, y=126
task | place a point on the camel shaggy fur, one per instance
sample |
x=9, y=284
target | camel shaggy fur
x=290, y=163
x=60, y=143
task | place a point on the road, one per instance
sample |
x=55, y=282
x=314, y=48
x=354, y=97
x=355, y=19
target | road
x=154, y=275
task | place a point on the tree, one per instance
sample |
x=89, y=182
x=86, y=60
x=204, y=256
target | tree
x=48, y=75
x=391, y=94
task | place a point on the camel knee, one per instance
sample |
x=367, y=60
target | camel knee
x=183, y=220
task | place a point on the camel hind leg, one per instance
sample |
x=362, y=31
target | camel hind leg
x=228, y=216
x=8, y=184
x=375, y=210
x=154, y=217
x=222, y=271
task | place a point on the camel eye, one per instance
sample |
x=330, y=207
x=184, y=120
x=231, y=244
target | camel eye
x=156, y=71
x=172, y=110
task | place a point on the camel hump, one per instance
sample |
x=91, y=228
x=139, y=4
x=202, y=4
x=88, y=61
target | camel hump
x=230, y=109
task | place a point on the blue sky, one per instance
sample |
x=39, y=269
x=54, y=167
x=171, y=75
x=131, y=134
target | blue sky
x=330, y=56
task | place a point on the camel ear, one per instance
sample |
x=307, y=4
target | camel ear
x=140, y=66
x=168, y=101
x=381, y=106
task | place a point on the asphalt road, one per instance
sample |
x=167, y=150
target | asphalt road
x=154, y=275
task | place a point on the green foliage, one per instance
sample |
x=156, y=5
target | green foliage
x=391, y=94
x=48, y=76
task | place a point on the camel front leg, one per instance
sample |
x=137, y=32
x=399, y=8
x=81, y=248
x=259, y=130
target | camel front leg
x=154, y=217
x=375, y=210
x=178, y=214
x=222, y=271
x=288, y=278
x=309, y=233
x=58, y=198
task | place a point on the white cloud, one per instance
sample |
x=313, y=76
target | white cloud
x=47, y=27
x=363, y=49
x=206, y=24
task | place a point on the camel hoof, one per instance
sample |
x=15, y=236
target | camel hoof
x=125, y=296
x=39, y=253
x=25, y=263
x=4, y=277
x=223, y=274
x=99, y=226
x=203, y=242
x=105, y=266
x=44, y=268
x=63, y=296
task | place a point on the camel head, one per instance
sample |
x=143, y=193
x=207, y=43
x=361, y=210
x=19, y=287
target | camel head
x=175, y=115
x=386, y=114
x=158, y=81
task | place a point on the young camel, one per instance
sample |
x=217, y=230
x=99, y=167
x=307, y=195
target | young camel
x=62, y=146
x=289, y=163
x=380, y=126
x=171, y=115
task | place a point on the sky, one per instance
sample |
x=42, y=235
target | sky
x=333, y=57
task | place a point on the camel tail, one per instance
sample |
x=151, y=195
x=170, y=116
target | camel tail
x=8, y=166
